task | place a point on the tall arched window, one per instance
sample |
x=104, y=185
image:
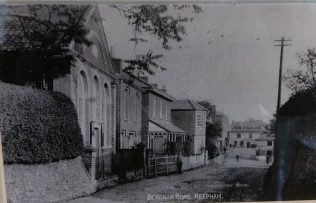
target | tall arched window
x=97, y=102
x=105, y=139
x=83, y=110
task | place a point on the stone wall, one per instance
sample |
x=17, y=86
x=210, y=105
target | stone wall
x=53, y=182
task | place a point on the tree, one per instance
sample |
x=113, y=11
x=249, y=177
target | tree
x=211, y=108
x=305, y=77
x=36, y=40
x=35, y=45
x=213, y=129
x=157, y=21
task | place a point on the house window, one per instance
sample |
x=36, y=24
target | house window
x=160, y=109
x=154, y=107
x=166, y=113
x=250, y=135
x=269, y=143
x=138, y=137
x=157, y=107
x=183, y=138
x=172, y=137
x=241, y=143
x=238, y=135
x=126, y=92
x=200, y=120
x=123, y=135
x=136, y=106
x=131, y=134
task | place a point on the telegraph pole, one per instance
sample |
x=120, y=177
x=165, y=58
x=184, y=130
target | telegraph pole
x=282, y=45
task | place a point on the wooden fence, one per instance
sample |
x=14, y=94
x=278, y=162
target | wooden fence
x=119, y=164
x=161, y=165
x=104, y=166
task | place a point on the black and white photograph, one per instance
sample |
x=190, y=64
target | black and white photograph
x=180, y=101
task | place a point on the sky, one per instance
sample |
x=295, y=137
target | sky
x=228, y=55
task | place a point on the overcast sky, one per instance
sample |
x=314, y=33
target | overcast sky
x=228, y=55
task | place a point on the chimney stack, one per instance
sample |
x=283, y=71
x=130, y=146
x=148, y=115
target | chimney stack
x=117, y=65
x=144, y=78
x=112, y=52
x=164, y=88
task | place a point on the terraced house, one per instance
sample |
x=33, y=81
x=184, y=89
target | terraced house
x=129, y=109
x=157, y=129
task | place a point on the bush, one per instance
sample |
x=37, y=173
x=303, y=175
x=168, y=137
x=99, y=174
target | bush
x=300, y=104
x=37, y=126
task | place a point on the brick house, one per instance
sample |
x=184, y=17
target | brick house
x=129, y=109
x=191, y=117
x=157, y=129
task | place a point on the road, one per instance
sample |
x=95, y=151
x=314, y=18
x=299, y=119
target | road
x=212, y=183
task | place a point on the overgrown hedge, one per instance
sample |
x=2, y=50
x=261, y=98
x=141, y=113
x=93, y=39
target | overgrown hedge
x=37, y=126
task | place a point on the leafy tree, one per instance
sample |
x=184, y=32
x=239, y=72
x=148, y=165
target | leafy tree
x=213, y=129
x=305, y=77
x=157, y=21
x=211, y=108
x=36, y=40
x=35, y=44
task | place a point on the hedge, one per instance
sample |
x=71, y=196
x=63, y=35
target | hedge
x=37, y=126
x=300, y=104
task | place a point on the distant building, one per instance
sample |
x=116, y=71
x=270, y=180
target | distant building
x=265, y=145
x=129, y=109
x=244, y=134
x=191, y=117
x=223, y=121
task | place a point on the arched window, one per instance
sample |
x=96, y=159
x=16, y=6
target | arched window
x=105, y=138
x=83, y=109
x=96, y=96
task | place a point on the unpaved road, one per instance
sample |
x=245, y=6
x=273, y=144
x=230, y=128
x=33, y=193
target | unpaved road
x=211, y=183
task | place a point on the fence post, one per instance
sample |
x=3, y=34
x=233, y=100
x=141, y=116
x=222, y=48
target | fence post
x=3, y=196
x=155, y=162
x=167, y=164
x=94, y=165
x=144, y=163
x=148, y=166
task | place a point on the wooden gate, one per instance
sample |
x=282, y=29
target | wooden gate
x=161, y=165
x=105, y=166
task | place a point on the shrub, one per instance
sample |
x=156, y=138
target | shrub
x=188, y=147
x=37, y=126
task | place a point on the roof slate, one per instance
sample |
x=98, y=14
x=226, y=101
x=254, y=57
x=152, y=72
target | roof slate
x=167, y=125
x=187, y=105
